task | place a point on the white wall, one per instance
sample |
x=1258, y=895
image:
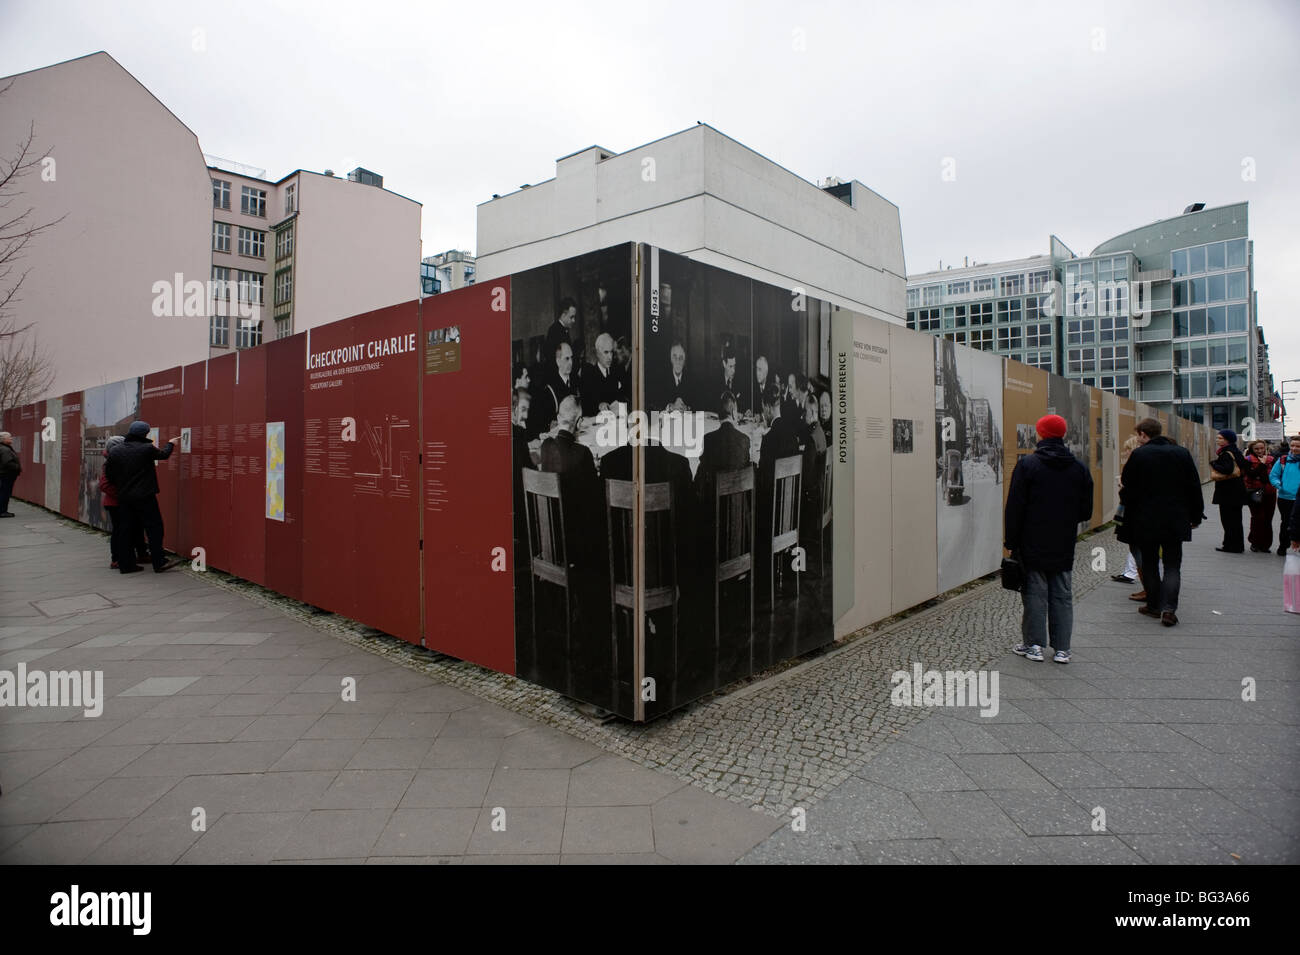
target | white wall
x=133, y=188
x=708, y=197
x=357, y=249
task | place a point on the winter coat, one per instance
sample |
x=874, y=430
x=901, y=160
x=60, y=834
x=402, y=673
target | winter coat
x=10, y=465
x=1285, y=476
x=1051, y=493
x=1233, y=490
x=130, y=468
x=1161, y=493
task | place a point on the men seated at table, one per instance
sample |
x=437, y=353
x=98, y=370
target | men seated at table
x=519, y=454
x=814, y=463
x=600, y=383
x=548, y=396
x=730, y=384
x=725, y=449
x=763, y=378
x=676, y=394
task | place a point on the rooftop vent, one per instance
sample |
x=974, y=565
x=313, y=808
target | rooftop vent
x=366, y=177
x=1194, y=207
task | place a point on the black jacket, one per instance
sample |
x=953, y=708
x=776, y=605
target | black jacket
x=1233, y=490
x=10, y=465
x=1051, y=493
x=1161, y=493
x=130, y=468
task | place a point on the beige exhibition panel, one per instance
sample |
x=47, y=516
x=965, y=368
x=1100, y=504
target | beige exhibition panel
x=1111, y=441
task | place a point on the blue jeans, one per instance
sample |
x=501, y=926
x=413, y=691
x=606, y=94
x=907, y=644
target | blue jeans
x=1049, y=601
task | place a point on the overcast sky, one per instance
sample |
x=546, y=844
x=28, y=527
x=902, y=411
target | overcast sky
x=1083, y=119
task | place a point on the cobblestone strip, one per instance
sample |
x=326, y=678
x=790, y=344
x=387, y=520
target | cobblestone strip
x=783, y=739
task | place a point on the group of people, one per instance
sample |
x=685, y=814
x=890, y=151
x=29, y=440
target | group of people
x=1161, y=503
x=597, y=385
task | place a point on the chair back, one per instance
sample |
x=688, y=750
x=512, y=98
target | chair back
x=786, y=476
x=546, y=532
x=733, y=541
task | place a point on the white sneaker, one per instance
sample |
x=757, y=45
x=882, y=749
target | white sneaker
x=1029, y=651
x=1062, y=656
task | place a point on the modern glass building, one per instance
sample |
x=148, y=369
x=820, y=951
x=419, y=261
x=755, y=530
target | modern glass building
x=1165, y=314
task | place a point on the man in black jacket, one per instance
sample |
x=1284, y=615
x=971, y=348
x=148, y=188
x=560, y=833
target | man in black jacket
x=1051, y=493
x=130, y=468
x=10, y=468
x=1161, y=493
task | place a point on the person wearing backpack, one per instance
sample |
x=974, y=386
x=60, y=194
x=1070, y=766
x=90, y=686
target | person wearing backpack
x=1285, y=476
x=1226, y=472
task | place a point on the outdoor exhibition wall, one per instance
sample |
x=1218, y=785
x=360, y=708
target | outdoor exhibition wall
x=374, y=467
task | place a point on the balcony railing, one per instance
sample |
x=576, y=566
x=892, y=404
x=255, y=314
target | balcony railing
x=1155, y=394
x=1154, y=364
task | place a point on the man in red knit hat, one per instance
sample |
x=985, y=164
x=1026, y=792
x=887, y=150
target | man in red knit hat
x=1051, y=493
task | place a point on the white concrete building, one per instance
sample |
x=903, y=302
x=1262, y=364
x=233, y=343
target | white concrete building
x=704, y=195
x=129, y=181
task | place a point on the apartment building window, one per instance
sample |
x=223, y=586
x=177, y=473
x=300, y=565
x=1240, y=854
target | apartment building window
x=1114, y=298
x=218, y=331
x=983, y=285
x=290, y=198
x=913, y=297
x=220, y=237
x=250, y=287
x=469, y=275
x=284, y=242
x=957, y=337
x=1036, y=307
x=1038, y=280
x=1081, y=361
x=220, y=194
x=1114, y=358
x=1009, y=337
x=1080, y=331
x=1012, y=284
x=981, y=313
x=252, y=202
x=928, y=320
x=1115, y=383
x=1114, y=328
x=1008, y=311
x=220, y=287
x=911, y=316
x=959, y=288
x=283, y=327
x=1042, y=359
x=982, y=338
x=283, y=286
x=930, y=294
x=249, y=333
x=1038, y=336
x=252, y=242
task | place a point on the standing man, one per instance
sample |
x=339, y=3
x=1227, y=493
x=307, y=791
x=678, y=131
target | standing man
x=561, y=330
x=131, y=470
x=10, y=468
x=1161, y=493
x=1051, y=493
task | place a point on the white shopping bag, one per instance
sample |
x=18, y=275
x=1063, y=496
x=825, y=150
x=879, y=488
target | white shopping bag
x=1291, y=582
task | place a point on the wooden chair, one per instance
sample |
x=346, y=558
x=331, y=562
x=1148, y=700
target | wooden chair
x=786, y=498
x=827, y=502
x=548, y=553
x=733, y=549
x=660, y=568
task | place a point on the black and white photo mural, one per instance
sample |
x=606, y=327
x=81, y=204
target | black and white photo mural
x=968, y=462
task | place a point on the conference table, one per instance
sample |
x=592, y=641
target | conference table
x=673, y=432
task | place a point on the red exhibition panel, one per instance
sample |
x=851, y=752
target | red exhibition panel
x=248, y=468
x=218, y=423
x=70, y=476
x=190, y=529
x=25, y=425
x=468, y=505
x=160, y=406
x=329, y=383
x=384, y=509
x=34, y=474
x=285, y=360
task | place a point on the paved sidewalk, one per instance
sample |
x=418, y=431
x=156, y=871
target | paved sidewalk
x=220, y=707
x=1147, y=725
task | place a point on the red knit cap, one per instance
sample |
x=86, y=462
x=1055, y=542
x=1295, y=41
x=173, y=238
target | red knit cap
x=1051, y=426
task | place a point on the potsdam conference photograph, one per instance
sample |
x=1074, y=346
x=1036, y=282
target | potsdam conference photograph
x=778, y=433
